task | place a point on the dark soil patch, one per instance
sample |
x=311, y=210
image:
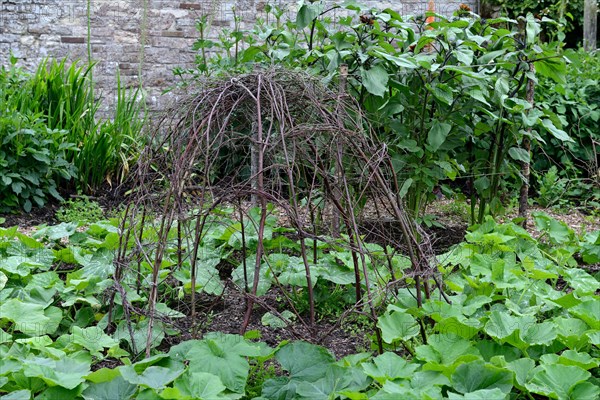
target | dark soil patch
x=226, y=314
x=386, y=232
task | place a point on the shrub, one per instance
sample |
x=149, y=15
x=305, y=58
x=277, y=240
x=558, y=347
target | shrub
x=576, y=104
x=33, y=156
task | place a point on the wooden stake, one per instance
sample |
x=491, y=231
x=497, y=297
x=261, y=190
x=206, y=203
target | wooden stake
x=590, y=25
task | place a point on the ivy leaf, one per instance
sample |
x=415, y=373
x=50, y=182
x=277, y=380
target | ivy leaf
x=397, y=326
x=437, y=134
x=375, y=80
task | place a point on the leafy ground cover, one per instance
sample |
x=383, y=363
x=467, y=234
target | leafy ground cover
x=521, y=322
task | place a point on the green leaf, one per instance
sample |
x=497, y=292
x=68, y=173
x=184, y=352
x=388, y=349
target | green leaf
x=304, y=361
x=29, y=318
x=437, y=134
x=581, y=281
x=375, y=80
x=117, y=388
x=483, y=394
x=405, y=186
x=154, y=377
x=196, y=385
x=519, y=154
x=67, y=372
x=223, y=355
x=397, y=326
x=464, y=55
x=588, y=311
x=552, y=67
x=585, y=391
x=270, y=319
x=93, y=338
x=389, y=366
x=557, y=133
x=556, y=380
x=17, y=395
x=478, y=375
x=307, y=13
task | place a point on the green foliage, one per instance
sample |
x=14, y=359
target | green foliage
x=576, y=106
x=50, y=136
x=34, y=154
x=569, y=13
x=448, y=99
x=81, y=210
x=522, y=322
x=112, y=146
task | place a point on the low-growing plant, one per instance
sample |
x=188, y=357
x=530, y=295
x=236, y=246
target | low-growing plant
x=81, y=210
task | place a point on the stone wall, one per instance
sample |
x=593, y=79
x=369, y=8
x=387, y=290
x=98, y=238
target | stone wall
x=142, y=39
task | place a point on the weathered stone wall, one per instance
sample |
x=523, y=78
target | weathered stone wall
x=142, y=39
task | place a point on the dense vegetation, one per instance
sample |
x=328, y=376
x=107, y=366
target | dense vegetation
x=465, y=106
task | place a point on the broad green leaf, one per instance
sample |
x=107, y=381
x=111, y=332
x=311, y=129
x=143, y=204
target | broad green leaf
x=483, y=394
x=523, y=369
x=28, y=318
x=581, y=281
x=307, y=13
x=437, y=134
x=557, y=133
x=17, y=395
x=397, y=326
x=336, y=380
x=93, y=338
x=56, y=232
x=464, y=55
x=67, y=372
x=585, y=391
x=556, y=380
x=304, y=361
x=478, y=375
x=117, y=388
x=196, y=385
x=519, y=154
x=154, y=377
x=375, y=80
x=552, y=67
x=389, y=366
x=222, y=355
x=571, y=331
x=402, y=61
x=588, y=311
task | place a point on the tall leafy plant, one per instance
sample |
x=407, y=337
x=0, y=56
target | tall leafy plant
x=431, y=89
x=33, y=155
